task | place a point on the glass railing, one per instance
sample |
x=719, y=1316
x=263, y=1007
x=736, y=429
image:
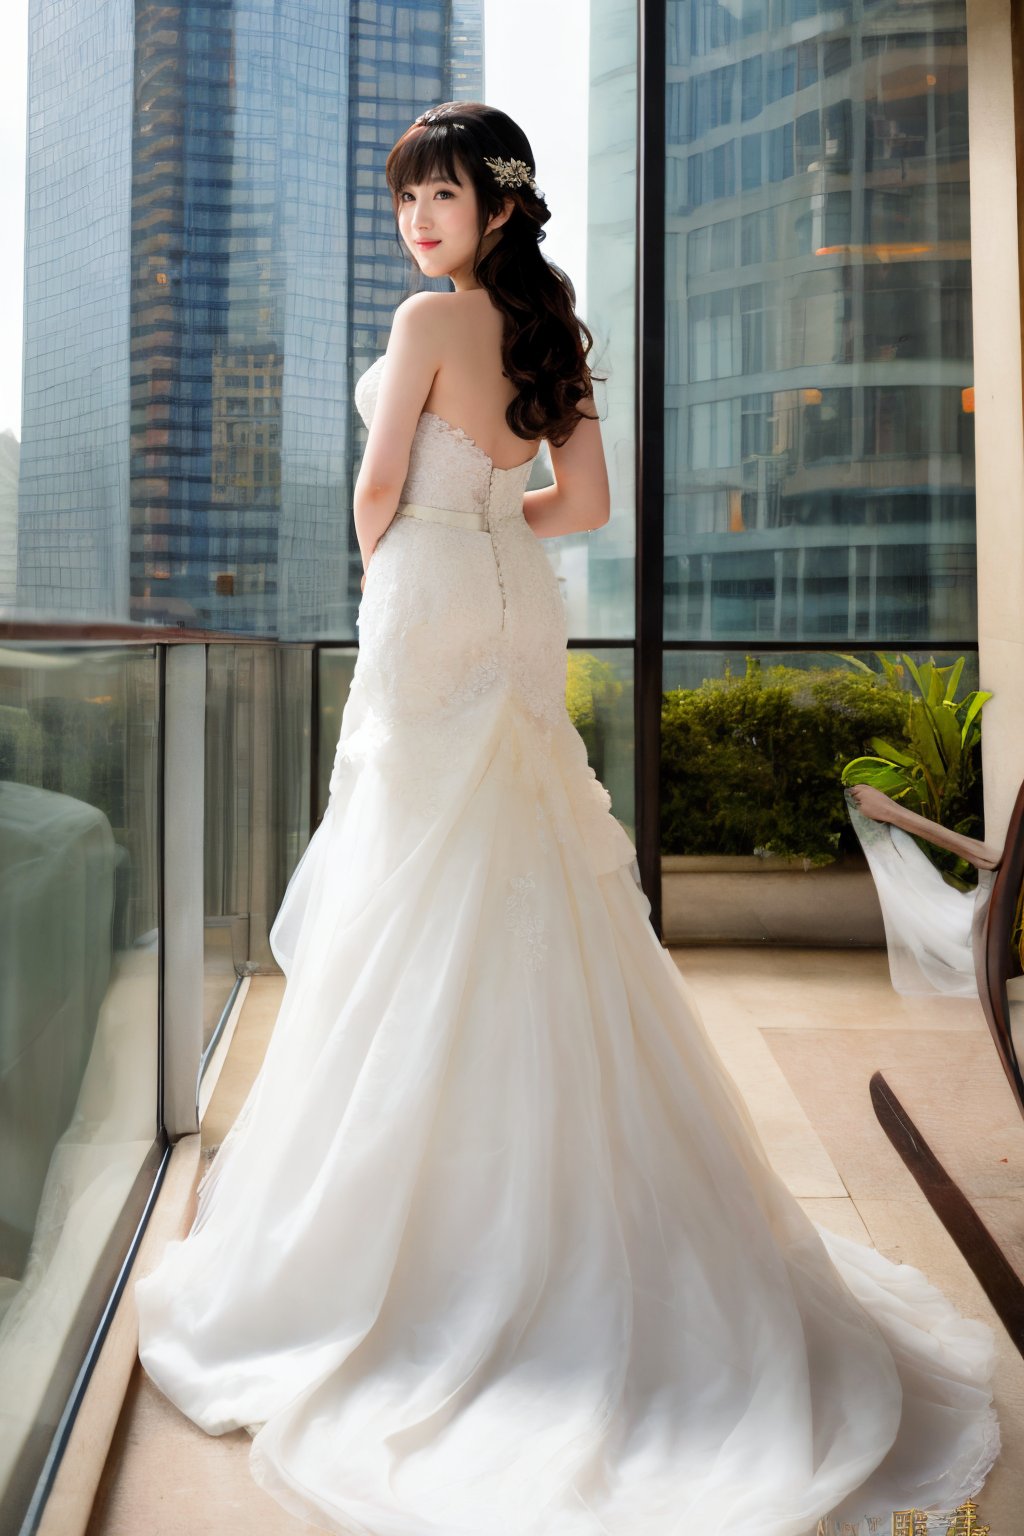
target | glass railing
x=80, y=958
x=155, y=793
x=256, y=799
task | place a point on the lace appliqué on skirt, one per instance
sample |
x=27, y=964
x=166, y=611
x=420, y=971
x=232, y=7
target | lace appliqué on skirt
x=525, y=922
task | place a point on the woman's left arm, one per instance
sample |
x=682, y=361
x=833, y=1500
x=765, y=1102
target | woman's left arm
x=580, y=499
x=413, y=358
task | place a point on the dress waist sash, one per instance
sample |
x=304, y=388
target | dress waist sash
x=448, y=515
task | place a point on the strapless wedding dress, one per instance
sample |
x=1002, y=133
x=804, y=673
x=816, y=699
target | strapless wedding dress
x=493, y=1248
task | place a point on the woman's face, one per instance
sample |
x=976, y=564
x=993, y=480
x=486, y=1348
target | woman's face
x=438, y=220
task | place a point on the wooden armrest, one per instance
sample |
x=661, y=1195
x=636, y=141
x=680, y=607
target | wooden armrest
x=877, y=806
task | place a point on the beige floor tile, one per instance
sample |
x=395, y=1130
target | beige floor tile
x=949, y=1082
x=793, y=1145
x=962, y=1104
x=1004, y=1217
x=247, y=1050
x=263, y=1002
x=840, y=1216
x=166, y=1477
x=819, y=989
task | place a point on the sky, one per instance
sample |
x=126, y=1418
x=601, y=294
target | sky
x=535, y=61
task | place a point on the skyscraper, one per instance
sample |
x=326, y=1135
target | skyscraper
x=189, y=444
x=9, y=454
x=466, y=50
x=73, y=491
x=819, y=428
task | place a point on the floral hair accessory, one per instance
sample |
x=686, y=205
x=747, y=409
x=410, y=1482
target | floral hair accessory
x=511, y=173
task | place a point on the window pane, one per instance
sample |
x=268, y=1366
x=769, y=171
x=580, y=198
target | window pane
x=819, y=439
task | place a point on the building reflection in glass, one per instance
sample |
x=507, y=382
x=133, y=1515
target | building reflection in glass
x=819, y=428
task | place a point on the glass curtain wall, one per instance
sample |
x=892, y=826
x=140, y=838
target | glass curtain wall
x=818, y=411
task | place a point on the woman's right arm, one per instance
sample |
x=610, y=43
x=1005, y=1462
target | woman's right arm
x=413, y=357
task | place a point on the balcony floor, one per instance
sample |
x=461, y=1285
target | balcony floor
x=801, y=1031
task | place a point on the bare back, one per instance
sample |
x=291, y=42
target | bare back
x=470, y=390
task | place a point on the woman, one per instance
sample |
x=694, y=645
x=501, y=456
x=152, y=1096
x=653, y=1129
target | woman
x=493, y=1246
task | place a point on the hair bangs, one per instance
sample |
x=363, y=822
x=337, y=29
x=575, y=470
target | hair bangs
x=421, y=154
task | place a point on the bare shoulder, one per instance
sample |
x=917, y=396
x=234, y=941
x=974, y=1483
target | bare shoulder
x=420, y=315
x=442, y=330
x=418, y=308
x=439, y=312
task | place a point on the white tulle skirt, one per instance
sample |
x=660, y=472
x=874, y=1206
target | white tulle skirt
x=493, y=1248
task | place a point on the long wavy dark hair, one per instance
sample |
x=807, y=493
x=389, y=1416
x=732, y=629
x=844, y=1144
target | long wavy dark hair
x=544, y=342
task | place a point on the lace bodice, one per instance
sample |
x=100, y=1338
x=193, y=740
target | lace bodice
x=446, y=467
x=456, y=623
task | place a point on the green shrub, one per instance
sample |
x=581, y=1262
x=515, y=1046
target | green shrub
x=751, y=763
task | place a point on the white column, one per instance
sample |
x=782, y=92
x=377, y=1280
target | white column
x=999, y=408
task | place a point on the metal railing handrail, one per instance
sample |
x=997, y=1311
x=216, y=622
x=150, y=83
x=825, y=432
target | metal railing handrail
x=18, y=624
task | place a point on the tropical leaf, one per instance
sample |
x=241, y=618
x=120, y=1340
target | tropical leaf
x=890, y=753
x=947, y=733
x=971, y=724
x=918, y=674
x=887, y=777
x=953, y=680
x=854, y=661
x=925, y=741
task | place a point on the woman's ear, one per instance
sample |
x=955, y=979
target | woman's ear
x=501, y=218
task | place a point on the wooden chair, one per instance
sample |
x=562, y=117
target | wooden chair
x=996, y=959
